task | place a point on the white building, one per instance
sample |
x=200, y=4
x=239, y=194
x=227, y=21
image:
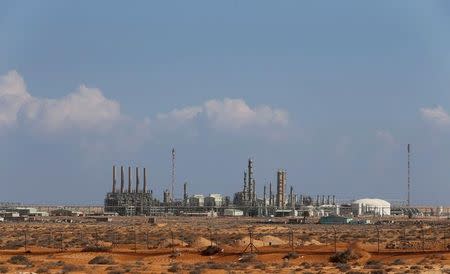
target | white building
x=233, y=212
x=369, y=206
x=214, y=200
x=197, y=200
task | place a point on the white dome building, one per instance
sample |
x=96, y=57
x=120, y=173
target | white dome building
x=369, y=206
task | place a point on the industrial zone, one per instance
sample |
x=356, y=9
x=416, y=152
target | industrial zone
x=275, y=201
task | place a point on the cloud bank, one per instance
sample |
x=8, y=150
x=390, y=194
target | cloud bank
x=437, y=116
x=87, y=111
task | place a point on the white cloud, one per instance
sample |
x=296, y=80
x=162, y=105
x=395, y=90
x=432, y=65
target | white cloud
x=385, y=136
x=180, y=115
x=436, y=115
x=13, y=95
x=87, y=112
x=85, y=109
x=233, y=114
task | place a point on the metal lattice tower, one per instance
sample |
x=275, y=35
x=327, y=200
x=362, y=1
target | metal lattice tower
x=409, y=175
x=172, y=195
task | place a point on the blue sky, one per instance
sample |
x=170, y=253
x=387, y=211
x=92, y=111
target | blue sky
x=330, y=91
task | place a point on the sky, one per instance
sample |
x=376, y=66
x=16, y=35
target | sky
x=331, y=91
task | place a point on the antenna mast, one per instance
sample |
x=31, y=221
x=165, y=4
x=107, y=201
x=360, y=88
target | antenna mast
x=409, y=175
x=172, y=196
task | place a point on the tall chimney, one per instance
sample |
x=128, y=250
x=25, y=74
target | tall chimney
x=254, y=193
x=185, y=194
x=122, y=182
x=279, y=197
x=264, y=197
x=144, y=189
x=245, y=187
x=114, y=179
x=270, y=194
x=129, y=179
x=137, y=179
x=251, y=181
x=291, y=197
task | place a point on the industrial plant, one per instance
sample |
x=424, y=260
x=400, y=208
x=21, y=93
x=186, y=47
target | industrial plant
x=276, y=200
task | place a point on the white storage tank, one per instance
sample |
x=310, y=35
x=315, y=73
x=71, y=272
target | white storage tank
x=370, y=206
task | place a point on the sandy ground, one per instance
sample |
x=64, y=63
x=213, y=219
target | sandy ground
x=131, y=245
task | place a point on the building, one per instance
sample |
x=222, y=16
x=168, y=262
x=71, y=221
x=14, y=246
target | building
x=334, y=220
x=129, y=200
x=213, y=200
x=233, y=212
x=197, y=200
x=367, y=206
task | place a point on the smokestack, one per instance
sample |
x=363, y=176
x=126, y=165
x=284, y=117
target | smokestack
x=245, y=187
x=114, y=180
x=264, y=197
x=121, y=179
x=270, y=194
x=185, y=194
x=129, y=179
x=144, y=189
x=137, y=179
x=250, y=179
x=254, y=193
x=291, y=197
x=280, y=189
x=334, y=202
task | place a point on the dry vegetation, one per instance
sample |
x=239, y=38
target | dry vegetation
x=199, y=245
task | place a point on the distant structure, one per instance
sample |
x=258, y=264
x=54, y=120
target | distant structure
x=139, y=200
x=409, y=175
x=374, y=207
x=130, y=202
x=281, y=185
x=172, y=193
x=185, y=194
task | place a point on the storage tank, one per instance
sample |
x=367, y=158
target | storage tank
x=371, y=206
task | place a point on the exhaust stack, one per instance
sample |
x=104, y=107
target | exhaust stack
x=129, y=179
x=144, y=189
x=137, y=179
x=114, y=179
x=122, y=182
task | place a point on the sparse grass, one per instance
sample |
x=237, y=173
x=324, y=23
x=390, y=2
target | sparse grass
x=93, y=248
x=344, y=257
x=342, y=267
x=67, y=268
x=102, y=260
x=247, y=258
x=19, y=260
x=174, y=268
x=42, y=269
x=291, y=255
x=211, y=250
x=398, y=262
x=4, y=269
